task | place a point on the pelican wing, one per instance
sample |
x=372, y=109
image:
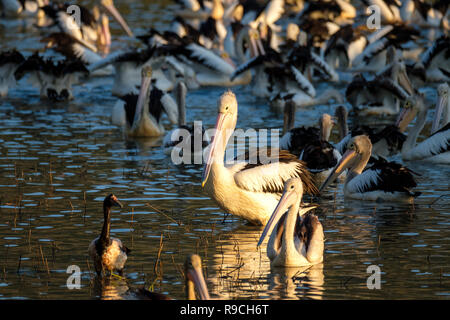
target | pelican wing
x=441, y=44
x=324, y=67
x=271, y=176
x=209, y=59
x=253, y=62
x=436, y=144
x=303, y=83
x=382, y=175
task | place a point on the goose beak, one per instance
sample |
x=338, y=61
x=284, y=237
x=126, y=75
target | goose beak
x=343, y=164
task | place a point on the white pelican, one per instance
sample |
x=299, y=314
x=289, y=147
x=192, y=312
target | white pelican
x=53, y=78
x=185, y=136
x=94, y=27
x=383, y=180
x=298, y=240
x=9, y=63
x=247, y=189
x=311, y=144
x=433, y=149
x=108, y=254
x=436, y=60
x=194, y=279
x=385, y=141
x=344, y=46
x=141, y=115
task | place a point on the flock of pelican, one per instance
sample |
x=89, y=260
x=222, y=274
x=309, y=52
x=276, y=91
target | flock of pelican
x=282, y=50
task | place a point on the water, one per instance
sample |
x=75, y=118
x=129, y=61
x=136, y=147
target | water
x=58, y=162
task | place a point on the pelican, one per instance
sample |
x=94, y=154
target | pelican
x=298, y=239
x=382, y=181
x=10, y=61
x=108, y=253
x=436, y=60
x=53, y=78
x=311, y=145
x=194, y=279
x=184, y=136
x=247, y=189
x=385, y=142
x=436, y=148
x=93, y=29
x=140, y=120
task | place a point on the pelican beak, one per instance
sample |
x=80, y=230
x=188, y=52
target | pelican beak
x=253, y=34
x=106, y=32
x=109, y=6
x=143, y=94
x=404, y=118
x=438, y=113
x=196, y=276
x=282, y=206
x=212, y=147
x=403, y=80
x=345, y=162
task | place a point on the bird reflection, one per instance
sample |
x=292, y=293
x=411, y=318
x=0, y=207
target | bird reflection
x=297, y=282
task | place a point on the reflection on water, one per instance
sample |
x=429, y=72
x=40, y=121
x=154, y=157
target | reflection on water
x=58, y=162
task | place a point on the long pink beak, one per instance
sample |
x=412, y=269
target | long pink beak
x=213, y=146
x=109, y=6
x=344, y=163
x=196, y=276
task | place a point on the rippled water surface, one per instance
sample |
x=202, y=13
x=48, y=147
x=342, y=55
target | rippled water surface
x=58, y=162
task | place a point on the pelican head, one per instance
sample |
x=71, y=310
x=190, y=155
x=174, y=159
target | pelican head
x=225, y=124
x=358, y=152
x=291, y=197
x=292, y=32
x=194, y=278
x=413, y=105
x=442, y=106
x=400, y=74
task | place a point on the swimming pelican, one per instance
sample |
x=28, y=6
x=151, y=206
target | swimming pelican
x=436, y=60
x=185, y=136
x=311, y=144
x=141, y=115
x=194, y=279
x=247, y=189
x=108, y=253
x=53, y=78
x=386, y=142
x=10, y=61
x=93, y=27
x=383, y=180
x=298, y=239
x=435, y=148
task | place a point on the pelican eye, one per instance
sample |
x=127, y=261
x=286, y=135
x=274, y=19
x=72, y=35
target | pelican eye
x=292, y=187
